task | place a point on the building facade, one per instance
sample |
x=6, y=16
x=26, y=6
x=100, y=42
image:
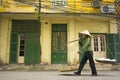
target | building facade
x=23, y=40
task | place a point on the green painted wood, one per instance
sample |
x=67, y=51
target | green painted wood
x=13, y=47
x=117, y=55
x=113, y=46
x=25, y=26
x=110, y=46
x=81, y=39
x=31, y=30
x=59, y=44
x=32, y=48
x=59, y=27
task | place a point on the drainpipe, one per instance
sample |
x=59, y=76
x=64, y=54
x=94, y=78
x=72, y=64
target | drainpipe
x=117, y=12
x=0, y=40
x=39, y=23
x=39, y=12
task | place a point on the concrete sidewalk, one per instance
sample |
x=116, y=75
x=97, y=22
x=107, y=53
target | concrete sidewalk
x=55, y=75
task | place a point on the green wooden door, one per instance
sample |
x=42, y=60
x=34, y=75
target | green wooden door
x=32, y=48
x=13, y=47
x=59, y=44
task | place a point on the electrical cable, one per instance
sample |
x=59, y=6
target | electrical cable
x=71, y=9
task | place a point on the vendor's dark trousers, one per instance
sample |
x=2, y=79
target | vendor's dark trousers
x=87, y=55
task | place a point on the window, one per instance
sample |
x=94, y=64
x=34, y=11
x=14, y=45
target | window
x=22, y=45
x=0, y=2
x=95, y=43
x=59, y=2
x=99, y=43
x=102, y=43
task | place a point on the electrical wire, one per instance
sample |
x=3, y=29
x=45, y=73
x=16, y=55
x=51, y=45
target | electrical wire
x=71, y=9
x=72, y=5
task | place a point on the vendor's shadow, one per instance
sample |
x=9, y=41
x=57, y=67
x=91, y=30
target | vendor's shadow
x=84, y=75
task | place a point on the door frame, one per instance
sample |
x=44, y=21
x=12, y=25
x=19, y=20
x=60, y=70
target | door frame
x=20, y=58
x=99, y=53
x=65, y=30
x=17, y=30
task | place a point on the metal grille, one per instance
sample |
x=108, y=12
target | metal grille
x=55, y=41
x=63, y=41
x=117, y=11
x=95, y=43
x=117, y=6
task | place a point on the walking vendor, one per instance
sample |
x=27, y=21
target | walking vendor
x=87, y=53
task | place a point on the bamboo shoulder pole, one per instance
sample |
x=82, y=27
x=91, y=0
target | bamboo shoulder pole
x=79, y=39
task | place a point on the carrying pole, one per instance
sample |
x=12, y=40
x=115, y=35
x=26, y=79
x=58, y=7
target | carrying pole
x=73, y=41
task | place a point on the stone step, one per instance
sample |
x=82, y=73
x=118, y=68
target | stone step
x=59, y=67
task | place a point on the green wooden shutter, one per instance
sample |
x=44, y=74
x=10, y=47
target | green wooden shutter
x=117, y=55
x=112, y=46
x=13, y=47
x=32, y=48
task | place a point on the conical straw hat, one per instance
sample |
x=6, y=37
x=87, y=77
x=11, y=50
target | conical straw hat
x=86, y=32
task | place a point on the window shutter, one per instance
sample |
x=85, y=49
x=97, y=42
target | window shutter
x=112, y=46
x=13, y=47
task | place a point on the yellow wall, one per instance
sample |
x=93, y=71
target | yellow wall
x=74, y=26
x=81, y=6
x=113, y=26
x=5, y=30
x=15, y=6
x=5, y=40
x=84, y=6
x=92, y=25
x=45, y=42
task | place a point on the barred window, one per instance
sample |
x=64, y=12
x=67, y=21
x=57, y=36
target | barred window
x=63, y=39
x=59, y=2
x=95, y=43
x=55, y=41
x=102, y=43
x=22, y=45
x=99, y=43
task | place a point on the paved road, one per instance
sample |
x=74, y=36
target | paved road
x=55, y=75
